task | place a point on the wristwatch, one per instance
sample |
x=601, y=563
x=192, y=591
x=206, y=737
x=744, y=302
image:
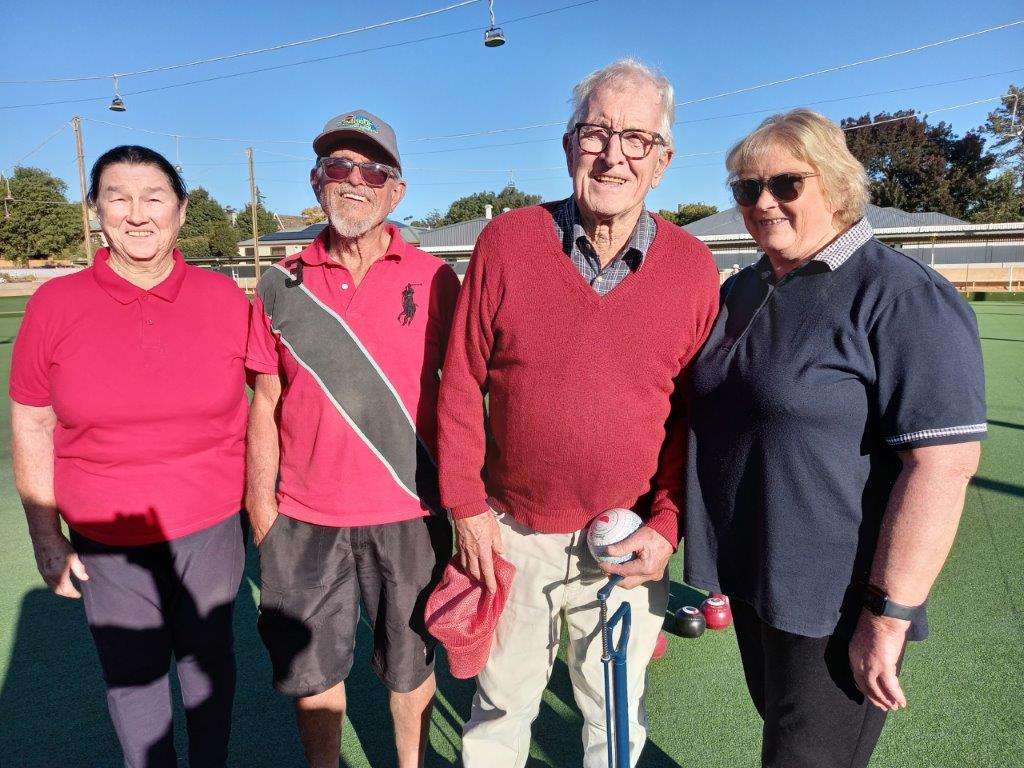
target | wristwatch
x=877, y=601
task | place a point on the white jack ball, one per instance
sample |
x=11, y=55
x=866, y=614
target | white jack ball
x=609, y=528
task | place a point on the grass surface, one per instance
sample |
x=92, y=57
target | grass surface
x=964, y=683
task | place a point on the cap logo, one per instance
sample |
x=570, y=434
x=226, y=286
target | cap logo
x=360, y=123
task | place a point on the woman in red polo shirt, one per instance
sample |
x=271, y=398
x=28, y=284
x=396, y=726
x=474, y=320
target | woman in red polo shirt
x=128, y=413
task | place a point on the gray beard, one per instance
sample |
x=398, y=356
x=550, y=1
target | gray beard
x=350, y=229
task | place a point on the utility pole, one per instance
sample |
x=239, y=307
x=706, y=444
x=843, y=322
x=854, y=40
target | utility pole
x=76, y=126
x=255, y=223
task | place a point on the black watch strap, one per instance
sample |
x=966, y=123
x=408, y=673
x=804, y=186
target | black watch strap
x=877, y=601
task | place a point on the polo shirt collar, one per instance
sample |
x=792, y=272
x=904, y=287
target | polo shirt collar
x=833, y=255
x=126, y=292
x=318, y=252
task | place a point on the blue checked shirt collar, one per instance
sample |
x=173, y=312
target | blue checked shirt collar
x=577, y=246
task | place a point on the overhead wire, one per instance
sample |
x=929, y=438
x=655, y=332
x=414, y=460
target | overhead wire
x=241, y=54
x=39, y=146
x=299, y=63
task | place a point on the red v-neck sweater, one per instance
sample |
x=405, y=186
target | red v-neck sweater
x=579, y=385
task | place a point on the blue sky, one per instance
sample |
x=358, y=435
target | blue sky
x=452, y=84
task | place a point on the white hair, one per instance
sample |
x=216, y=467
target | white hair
x=621, y=74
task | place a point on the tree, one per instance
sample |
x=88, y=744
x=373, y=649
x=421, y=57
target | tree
x=431, y=220
x=41, y=223
x=1006, y=127
x=1003, y=200
x=689, y=212
x=313, y=214
x=207, y=229
x=203, y=215
x=265, y=221
x=920, y=167
x=474, y=206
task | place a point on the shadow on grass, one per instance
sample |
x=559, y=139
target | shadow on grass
x=1011, y=489
x=1009, y=424
x=54, y=708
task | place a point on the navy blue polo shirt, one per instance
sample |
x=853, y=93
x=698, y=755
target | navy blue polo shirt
x=801, y=398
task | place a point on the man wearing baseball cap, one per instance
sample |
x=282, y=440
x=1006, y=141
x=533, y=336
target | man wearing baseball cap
x=347, y=338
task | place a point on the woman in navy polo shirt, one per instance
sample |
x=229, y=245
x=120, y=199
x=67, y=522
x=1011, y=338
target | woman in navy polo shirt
x=836, y=412
x=128, y=413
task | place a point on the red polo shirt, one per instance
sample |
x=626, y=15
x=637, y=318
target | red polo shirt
x=358, y=420
x=149, y=392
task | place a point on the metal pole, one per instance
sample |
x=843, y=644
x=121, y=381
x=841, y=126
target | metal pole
x=255, y=227
x=76, y=126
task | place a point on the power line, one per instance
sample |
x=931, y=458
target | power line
x=852, y=64
x=241, y=54
x=299, y=63
x=39, y=146
x=759, y=86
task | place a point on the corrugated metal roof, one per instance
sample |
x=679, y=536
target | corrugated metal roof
x=730, y=222
x=463, y=233
x=306, y=235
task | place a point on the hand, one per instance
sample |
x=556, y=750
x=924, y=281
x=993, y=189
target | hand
x=57, y=561
x=874, y=653
x=651, y=553
x=476, y=538
x=261, y=517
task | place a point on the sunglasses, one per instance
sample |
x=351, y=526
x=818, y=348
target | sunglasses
x=784, y=187
x=340, y=169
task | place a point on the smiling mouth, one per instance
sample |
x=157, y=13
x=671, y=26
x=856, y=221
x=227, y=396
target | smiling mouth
x=614, y=181
x=354, y=196
x=137, y=233
x=772, y=222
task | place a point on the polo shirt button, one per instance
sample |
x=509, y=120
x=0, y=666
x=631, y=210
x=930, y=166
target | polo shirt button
x=600, y=279
x=149, y=322
x=344, y=286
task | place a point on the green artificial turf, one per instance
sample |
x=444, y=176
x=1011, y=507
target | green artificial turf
x=963, y=684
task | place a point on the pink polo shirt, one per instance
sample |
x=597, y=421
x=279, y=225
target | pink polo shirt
x=358, y=419
x=149, y=392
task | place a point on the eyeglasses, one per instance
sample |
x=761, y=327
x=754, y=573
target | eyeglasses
x=340, y=169
x=784, y=187
x=636, y=144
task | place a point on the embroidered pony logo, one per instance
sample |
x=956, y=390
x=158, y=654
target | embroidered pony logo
x=408, y=304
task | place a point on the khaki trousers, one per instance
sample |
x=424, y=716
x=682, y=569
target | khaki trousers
x=556, y=581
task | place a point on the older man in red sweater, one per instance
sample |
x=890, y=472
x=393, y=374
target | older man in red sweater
x=577, y=319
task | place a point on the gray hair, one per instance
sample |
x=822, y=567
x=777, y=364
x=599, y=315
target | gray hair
x=620, y=74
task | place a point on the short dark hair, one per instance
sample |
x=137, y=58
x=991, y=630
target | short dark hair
x=132, y=154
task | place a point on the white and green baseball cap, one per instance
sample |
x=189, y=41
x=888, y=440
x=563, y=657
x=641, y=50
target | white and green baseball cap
x=358, y=124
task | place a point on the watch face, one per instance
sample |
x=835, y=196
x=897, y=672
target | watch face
x=874, y=601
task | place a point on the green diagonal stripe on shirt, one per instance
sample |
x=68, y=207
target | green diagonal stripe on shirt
x=330, y=351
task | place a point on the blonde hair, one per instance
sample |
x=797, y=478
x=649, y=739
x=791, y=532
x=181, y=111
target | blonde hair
x=819, y=142
x=622, y=74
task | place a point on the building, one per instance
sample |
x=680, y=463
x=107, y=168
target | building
x=453, y=243
x=972, y=256
x=934, y=238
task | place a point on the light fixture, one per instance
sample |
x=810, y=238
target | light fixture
x=117, y=104
x=493, y=36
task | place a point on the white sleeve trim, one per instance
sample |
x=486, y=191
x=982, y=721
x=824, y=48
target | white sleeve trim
x=928, y=434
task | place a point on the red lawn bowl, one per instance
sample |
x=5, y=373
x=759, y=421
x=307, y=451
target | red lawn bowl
x=716, y=613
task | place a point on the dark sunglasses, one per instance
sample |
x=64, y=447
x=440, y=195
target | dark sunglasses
x=340, y=169
x=784, y=187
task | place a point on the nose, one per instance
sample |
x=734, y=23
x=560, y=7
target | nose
x=136, y=214
x=357, y=173
x=613, y=150
x=766, y=200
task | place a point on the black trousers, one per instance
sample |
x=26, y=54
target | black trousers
x=148, y=604
x=814, y=716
